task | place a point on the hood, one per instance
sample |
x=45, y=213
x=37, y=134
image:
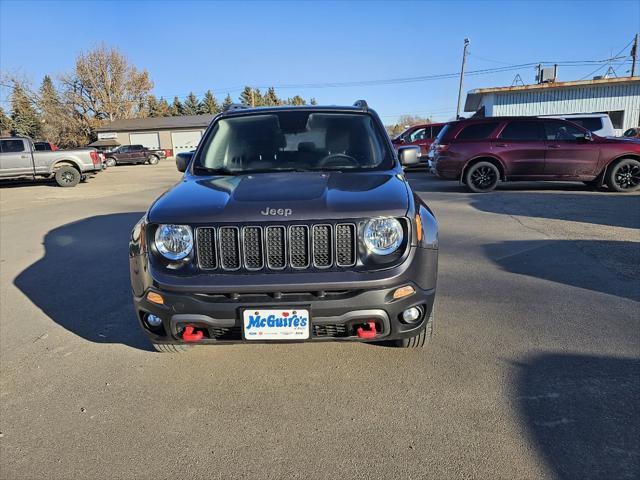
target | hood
x=273, y=197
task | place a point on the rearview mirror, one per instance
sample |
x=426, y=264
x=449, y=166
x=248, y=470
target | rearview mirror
x=409, y=155
x=182, y=160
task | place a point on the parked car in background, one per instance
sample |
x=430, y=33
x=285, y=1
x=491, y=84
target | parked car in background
x=40, y=145
x=419, y=135
x=18, y=158
x=133, y=154
x=598, y=123
x=632, y=133
x=482, y=152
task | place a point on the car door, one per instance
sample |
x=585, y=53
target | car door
x=521, y=147
x=569, y=152
x=417, y=138
x=137, y=153
x=124, y=154
x=15, y=158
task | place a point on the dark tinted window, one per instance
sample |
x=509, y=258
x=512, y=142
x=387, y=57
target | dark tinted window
x=12, y=146
x=436, y=130
x=590, y=123
x=477, y=131
x=135, y=148
x=41, y=146
x=617, y=118
x=562, y=131
x=522, y=130
x=291, y=140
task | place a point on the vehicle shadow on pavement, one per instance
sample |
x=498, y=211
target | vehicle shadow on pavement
x=612, y=209
x=82, y=282
x=567, y=262
x=582, y=413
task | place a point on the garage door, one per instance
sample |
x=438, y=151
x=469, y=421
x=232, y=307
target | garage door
x=185, y=141
x=149, y=140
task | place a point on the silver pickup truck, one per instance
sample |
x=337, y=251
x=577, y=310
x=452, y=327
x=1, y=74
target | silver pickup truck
x=18, y=158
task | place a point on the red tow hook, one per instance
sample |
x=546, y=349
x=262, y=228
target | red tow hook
x=370, y=333
x=190, y=336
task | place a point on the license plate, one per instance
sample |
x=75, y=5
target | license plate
x=272, y=324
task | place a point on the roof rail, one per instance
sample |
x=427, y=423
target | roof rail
x=361, y=104
x=235, y=106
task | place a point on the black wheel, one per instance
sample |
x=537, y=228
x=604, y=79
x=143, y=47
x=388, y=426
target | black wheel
x=171, y=347
x=153, y=160
x=482, y=177
x=67, y=176
x=111, y=162
x=419, y=340
x=624, y=175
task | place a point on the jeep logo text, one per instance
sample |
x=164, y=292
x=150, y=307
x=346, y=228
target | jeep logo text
x=282, y=212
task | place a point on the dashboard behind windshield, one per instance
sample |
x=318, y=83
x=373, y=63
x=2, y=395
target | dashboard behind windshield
x=294, y=140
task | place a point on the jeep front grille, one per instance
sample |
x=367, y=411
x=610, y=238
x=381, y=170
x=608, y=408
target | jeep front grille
x=276, y=247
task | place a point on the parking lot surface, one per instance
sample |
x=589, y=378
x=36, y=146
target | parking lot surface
x=533, y=370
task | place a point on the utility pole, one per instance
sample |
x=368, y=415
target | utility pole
x=634, y=54
x=464, y=61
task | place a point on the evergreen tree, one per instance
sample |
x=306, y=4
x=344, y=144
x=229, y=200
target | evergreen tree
x=297, y=100
x=6, y=125
x=209, y=104
x=228, y=101
x=313, y=101
x=247, y=97
x=164, y=110
x=24, y=117
x=191, y=105
x=54, y=116
x=270, y=98
x=176, y=108
x=258, y=99
x=152, y=106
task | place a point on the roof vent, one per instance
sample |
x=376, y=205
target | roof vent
x=547, y=74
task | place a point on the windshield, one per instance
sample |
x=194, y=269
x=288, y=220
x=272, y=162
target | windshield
x=294, y=141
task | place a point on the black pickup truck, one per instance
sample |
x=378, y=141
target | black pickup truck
x=133, y=154
x=290, y=224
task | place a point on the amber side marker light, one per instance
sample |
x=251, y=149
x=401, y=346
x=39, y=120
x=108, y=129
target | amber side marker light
x=155, y=298
x=419, y=227
x=403, y=292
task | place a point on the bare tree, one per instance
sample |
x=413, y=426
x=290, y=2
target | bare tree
x=104, y=86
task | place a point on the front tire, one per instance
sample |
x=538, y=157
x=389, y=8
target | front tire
x=171, y=347
x=482, y=177
x=419, y=340
x=624, y=175
x=67, y=176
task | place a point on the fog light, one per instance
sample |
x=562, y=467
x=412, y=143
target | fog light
x=411, y=315
x=153, y=320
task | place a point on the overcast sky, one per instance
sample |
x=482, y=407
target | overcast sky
x=195, y=46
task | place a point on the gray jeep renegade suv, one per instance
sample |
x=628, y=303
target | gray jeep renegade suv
x=290, y=224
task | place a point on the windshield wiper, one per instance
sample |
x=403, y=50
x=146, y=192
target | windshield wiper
x=214, y=171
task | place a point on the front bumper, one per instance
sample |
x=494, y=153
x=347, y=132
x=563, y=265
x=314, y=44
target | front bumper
x=336, y=309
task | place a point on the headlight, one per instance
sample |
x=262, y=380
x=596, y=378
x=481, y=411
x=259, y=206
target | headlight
x=174, y=241
x=383, y=236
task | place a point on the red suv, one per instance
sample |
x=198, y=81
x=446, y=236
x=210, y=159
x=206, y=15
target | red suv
x=419, y=135
x=482, y=152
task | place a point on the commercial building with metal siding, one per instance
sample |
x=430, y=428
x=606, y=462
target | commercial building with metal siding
x=620, y=97
x=172, y=134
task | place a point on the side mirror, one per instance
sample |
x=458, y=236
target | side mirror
x=588, y=137
x=409, y=155
x=182, y=160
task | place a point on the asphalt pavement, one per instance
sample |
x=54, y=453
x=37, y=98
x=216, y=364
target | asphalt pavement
x=533, y=371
